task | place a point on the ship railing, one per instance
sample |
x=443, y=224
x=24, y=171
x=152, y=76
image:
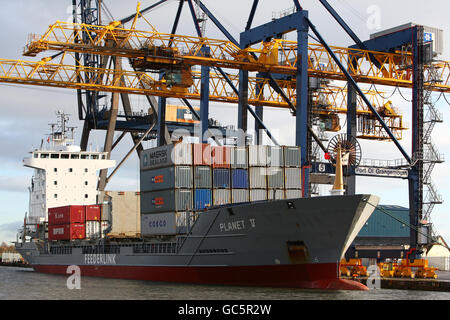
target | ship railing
x=156, y=248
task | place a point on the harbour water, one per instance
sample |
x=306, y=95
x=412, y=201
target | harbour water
x=25, y=284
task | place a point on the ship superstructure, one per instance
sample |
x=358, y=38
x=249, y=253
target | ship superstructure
x=63, y=174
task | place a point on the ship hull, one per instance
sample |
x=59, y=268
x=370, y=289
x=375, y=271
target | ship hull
x=285, y=243
x=306, y=276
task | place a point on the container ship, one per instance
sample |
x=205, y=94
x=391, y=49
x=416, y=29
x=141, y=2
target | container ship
x=225, y=215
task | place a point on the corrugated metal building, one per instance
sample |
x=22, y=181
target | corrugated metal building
x=384, y=235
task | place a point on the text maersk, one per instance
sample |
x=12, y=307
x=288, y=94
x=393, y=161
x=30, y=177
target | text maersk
x=228, y=309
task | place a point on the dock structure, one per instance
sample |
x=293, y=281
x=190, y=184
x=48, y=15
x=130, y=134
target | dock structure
x=441, y=284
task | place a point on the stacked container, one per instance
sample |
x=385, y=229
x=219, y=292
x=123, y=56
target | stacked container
x=167, y=185
x=202, y=176
x=257, y=171
x=66, y=223
x=176, y=179
x=292, y=172
x=239, y=175
x=275, y=173
x=93, y=224
x=221, y=166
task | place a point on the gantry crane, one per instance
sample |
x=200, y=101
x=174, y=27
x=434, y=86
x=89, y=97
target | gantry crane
x=263, y=51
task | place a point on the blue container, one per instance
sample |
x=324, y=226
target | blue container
x=221, y=178
x=202, y=198
x=239, y=179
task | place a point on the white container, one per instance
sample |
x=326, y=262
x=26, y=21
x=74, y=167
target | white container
x=180, y=219
x=442, y=263
x=258, y=195
x=275, y=177
x=293, y=178
x=123, y=210
x=257, y=155
x=158, y=224
x=293, y=194
x=104, y=226
x=202, y=177
x=239, y=157
x=93, y=229
x=221, y=196
x=275, y=156
x=257, y=177
x=292, y=156
x=239, y=195
x=276, y=194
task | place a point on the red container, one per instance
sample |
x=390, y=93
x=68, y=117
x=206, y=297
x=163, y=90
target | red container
x=93, y=213
x=221, y=157
x=202, y=154
x=67, y=231
x=66, y=215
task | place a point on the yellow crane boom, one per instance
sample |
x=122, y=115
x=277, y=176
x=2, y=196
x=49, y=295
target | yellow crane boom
x=153, y=50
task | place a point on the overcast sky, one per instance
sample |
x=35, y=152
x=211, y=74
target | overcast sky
x=27, y=111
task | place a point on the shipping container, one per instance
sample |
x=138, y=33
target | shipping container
x=158, y=224
x=221, y=156
x=221, y=196
x=202, y=154
x=71, y=231
x=258, y=194
x=293, y=178
x=276, y=194
x=166, y=201
x=123, y=210
x=181, y=219
x=239, y=157
x=202, y=177
x=93, y=213
x=257, y=177
x=66, y=215
x=202, y=198
x=239, y=178
x=105, y=227
x=239, y=195
x=221, y=178
x=275, y=177
x=180, y=114
x=93, y=229
x=166, y=156
x=167, y=178
x=292, y=156
x=257, y=155
x=293, y=193
x=275, y=156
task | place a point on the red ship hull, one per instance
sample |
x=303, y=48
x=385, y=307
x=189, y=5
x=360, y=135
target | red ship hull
x=306, y=276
